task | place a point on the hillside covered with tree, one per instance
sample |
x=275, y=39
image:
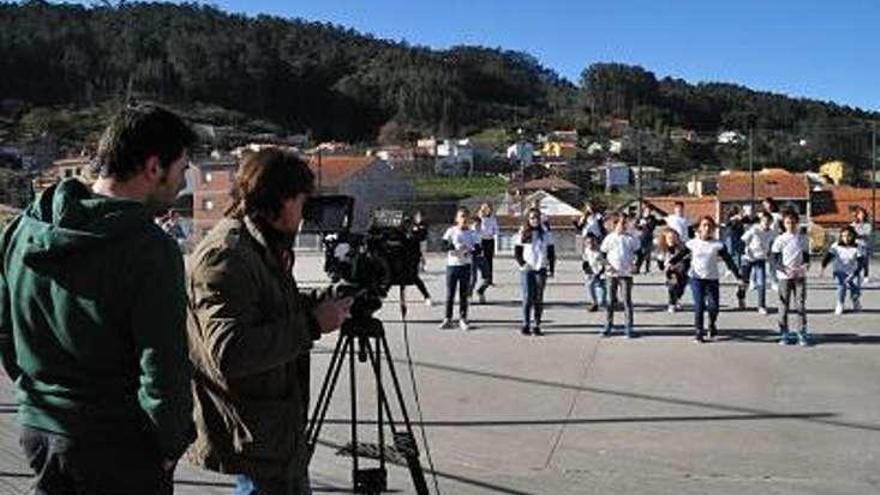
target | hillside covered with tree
x=335, y=83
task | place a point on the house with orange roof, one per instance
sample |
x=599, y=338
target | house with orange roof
x=790, y=190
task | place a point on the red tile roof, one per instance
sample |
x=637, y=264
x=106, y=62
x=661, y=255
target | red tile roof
x=336, y=169
x=843, y=200
x=773, y=182
x=550, y=184
x=694, y=207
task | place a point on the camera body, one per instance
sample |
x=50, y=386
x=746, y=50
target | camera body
x=363, y=265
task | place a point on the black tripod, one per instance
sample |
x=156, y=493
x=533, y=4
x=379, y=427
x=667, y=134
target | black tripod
x=370, y=336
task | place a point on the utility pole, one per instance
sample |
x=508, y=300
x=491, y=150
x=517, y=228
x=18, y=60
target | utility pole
x=319, y=169
x=873, y=185
x=752, y=167
x=522, y=172
x=639, y=165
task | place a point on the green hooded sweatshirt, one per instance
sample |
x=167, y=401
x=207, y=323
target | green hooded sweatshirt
x=93, y=321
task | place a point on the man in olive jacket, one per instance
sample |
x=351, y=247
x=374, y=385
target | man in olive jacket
x=251, y=332
x=93, y=318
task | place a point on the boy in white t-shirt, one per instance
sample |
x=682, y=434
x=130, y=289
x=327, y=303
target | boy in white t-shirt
x=848, y=255
x=460, y=243
x=758, y=240
x=594, y=270
x=791, y=258
x=621, y=250
x=677, y=222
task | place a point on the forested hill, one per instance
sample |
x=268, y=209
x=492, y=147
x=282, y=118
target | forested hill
x=338, y=83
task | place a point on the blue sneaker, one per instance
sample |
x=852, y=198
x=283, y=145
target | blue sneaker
x=608, y=329
x=786, y=338
x=804, y=338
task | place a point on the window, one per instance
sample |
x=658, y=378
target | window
x=208, y=204
x=208, y=177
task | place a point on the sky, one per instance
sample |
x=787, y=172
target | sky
x=829, y=50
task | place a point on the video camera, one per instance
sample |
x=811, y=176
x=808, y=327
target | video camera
x=365, y=265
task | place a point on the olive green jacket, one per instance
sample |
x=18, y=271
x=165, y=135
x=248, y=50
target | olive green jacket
x=250, y=333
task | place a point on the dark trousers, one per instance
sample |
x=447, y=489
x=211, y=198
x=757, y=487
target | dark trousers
x=72, y=466
x=793, y=288
x=533, y=283
x=625, y=283
x=420, y=285
x=245, y=485
x=459, y=277
x=488, y=246
x=480, y=267
x=706, y=295
x=675, y=284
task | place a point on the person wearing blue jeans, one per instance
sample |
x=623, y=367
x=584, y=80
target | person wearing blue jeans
x=536, y=256
x=705, y=253
x=594, y=270
x=462, y=245
x=757, y=241
x=848, y=255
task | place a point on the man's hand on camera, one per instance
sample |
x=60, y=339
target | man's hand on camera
x=332, y=312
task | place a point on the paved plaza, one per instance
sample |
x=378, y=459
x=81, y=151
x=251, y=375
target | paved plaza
x=573, y=412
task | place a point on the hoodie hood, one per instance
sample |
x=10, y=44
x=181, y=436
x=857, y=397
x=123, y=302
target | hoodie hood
x=68, y=218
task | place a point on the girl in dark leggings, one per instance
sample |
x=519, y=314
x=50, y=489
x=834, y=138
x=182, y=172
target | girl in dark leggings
x=669, y=246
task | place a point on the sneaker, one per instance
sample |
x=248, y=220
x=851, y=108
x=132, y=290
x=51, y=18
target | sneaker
x=857, y=305
x=804, y=338
x=762, y=310
x=712, y=331
x=446, y=324
x=699, y=339
x=785, y=338
x=537, y=331
x=678, y=306
x=463, y=324
x=630, y=333
x=428, y=302
x=671, y=308
x=608, y=329
x=593, y=308
x=481, y=298
x=774, y=287
x=742, y=304
x=526, y=330
x=838, y=310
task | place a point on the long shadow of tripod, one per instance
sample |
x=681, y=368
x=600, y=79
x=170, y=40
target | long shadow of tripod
x=369, y=333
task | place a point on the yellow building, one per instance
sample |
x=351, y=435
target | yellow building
x=834, y=170
x=559, y=149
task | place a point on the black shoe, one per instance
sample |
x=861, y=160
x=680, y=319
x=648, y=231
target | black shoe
x=699, y=339
x=712, y=332
x=537, y=331
x=526, y=331
x=593, y=308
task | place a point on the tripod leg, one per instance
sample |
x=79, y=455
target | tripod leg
x=405, y=442
x=323, y=403
x=353, y=397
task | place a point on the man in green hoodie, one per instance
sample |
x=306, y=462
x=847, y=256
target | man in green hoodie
x=93, y=318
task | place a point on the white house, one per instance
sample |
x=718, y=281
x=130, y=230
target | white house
x=522, y=152
x=730, y=137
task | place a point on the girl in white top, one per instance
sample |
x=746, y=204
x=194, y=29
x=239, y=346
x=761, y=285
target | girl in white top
x=536, y=257
x=488, y=232
x=848, y=257
x=460, y=243
x=594, y=270
x=706, y=253
x=758, y=240
x=677, y=222
x=791, y=257
x=591, y=222
x=864, y=232
x=621, y=250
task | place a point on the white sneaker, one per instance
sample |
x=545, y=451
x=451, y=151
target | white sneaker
x=671, y=308
x=446, y=324
x=857, y=305
x=838, y=310
x=463, y=324
x=774, y=287
x=762, y=310
x=428, y=302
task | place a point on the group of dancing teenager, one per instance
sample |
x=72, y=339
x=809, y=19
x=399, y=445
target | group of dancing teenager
x=765, y=251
